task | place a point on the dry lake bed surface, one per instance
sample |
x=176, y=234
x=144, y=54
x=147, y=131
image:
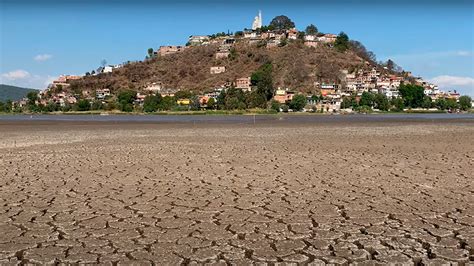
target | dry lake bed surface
x=282, y=191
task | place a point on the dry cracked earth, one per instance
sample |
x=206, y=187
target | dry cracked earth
x=217, y=194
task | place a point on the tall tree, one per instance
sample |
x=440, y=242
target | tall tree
x=262, y=78
x=311, y=30
x=342, y=42
x=282, y=23
x=465, y=103
x=412, y=95
x=298, y=102
x=150, y=52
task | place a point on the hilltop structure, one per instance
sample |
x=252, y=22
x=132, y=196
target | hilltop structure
x=257, y=22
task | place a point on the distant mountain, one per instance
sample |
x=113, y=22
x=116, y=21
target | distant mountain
x=13, y=93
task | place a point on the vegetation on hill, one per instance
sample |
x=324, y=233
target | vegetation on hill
x=12, y=93
x=294, y=66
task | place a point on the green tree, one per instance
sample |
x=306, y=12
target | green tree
x=390, y=65
x=412, y=95
x=211, y=103
x=83, y=105
x=151, y=103
x=275, y=105
x=282, y=23
x=126, y=100
x=427, y=102
x=465, y=103
x=183, y=95
x=167, y=103
x=381, y=102
x=311, y=30
x=441, y=104
x=256, y=100
x=397, y=104
x=32, y=97
x=451, y=104
x=346, y=102
x=234, y=99
x=262, y=78
x=195, y=103
x=367, y=99
x=97, y=105
x=342, y=42
x=52, y=107
x=298, y=102
x=150, y=52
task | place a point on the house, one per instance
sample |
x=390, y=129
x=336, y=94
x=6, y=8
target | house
x=283, y=96
x=292, y=34
x=250, y=34
x=217, y=70
x=166, y=50
x=311, y=43
x=310, y=37
x=140, y=98
x=107, y=69
x=243, y=83
x=222, y=54
x=327, y=38
x=153, y=87
x=100, y=94
x=273, y=43
x=197, y=40
x=64, y=80
x=183, y=102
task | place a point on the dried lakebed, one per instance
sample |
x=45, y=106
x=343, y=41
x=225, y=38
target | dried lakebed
x=219, y=193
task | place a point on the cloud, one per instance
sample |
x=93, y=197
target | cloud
x=42, y=57
x=462, y=84
x=446, y=80
x=16, y=75
x=23, y=78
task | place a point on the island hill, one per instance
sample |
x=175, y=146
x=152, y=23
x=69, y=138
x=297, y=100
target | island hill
x=274, y=67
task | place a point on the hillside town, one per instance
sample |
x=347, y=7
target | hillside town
x=354, y=88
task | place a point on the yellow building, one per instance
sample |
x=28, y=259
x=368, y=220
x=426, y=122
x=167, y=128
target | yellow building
x=183, y=101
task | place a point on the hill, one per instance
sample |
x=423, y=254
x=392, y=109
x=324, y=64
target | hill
x=294, y=66
x=13, y=93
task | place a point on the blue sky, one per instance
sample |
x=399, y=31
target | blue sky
x=43, y=39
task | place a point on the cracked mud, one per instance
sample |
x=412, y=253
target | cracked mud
x=291, y=194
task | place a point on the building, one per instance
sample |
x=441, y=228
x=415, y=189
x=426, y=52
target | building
x=283, y=96
x=183, y=102
x=217, y=70
x=311, y=43
x=257, y=21
x=250, y=35
x=222, y=54
x=100, y=94
x=292, y=34
x=64, y=80
x=273, y=43
x=243, y=83
x=154, y=87
x=166, y=50
x=108, y=69
x=197, y=40
x=327, y=38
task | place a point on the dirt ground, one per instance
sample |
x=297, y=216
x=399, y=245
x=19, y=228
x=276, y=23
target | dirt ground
x=217, y=194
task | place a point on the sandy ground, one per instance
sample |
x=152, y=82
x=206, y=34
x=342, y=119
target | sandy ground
x=237, y=194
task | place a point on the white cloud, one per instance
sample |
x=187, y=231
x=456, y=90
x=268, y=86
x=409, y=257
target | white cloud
x=23, y=78
x=463, y=84
x=42, y=57
x=464, y=53
x=446, y=81
x=16, y=75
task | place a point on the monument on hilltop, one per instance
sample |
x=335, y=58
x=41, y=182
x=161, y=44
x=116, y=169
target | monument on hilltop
x=257, y=21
